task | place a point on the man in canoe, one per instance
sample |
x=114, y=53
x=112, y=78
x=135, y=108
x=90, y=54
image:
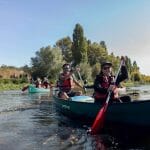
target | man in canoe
x=104, y=83
x=66, y=83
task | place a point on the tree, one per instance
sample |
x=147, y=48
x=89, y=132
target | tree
x=85, y=71
x=96, y=53
x=65, y=45
x=129, y=65
x=103, y=45
x=96, y=70
x=47, y=62
x=79, y=46
x=27, y=69
x=135, y=67
x=135, y=74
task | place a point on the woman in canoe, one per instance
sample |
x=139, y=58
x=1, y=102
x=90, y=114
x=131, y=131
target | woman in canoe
x=66, y=83
x=104, y=83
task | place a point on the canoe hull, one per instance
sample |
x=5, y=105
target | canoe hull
x=131, y=113
x=33, y=89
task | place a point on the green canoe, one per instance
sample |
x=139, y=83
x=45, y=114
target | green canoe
x=135, y=113
x=33, y=89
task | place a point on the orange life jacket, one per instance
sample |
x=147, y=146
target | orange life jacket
x=66, y=85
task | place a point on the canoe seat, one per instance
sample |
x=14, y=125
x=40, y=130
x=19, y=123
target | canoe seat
x=82, y=98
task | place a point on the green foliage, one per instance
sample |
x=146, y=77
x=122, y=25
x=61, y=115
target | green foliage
x=8, y=67
x=79, y=46
x=27, y=69
x=85, y=71
x=96, y=53
x=47, y=62
x=96, y=70
x=145, y=79
x=10, y=86
x=65, y=45
x=103, y=45
x=129, y=64
x=115, y=61
x=15, y=81
x=135, y=76
x=135, y=67
x=5, y=81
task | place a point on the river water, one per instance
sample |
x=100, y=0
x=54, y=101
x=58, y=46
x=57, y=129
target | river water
x=30, y=122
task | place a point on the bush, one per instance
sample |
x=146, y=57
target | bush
x=15, y=81
x=5, y=81
x=23, y=80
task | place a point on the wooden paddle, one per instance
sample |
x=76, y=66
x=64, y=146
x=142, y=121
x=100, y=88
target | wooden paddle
x=99, y=120
x=77, y=69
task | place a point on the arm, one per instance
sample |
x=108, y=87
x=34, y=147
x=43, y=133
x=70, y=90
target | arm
x=123, y=75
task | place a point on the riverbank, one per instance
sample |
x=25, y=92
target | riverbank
x=11, y=86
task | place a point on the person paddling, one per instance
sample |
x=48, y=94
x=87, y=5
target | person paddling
x=66, y=83
x=104, y=83
x=31, y=81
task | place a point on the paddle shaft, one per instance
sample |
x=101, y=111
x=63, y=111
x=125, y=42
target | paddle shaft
x=81, y=80
x=109, y=94
x=99, y=120
x=79, y=76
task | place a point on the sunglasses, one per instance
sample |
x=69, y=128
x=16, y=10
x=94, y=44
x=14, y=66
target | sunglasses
x=66, y=68
x=105, y=68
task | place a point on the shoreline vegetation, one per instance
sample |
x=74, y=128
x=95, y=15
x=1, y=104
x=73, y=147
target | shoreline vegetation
x=19, y=86
x=12, y=84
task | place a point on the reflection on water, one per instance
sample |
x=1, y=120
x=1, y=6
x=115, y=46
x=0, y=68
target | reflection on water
x=139, y=92
x=30, y=122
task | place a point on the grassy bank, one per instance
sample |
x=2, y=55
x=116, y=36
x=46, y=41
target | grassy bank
x=10, y=86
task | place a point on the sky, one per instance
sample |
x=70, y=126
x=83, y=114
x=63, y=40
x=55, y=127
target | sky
x=28, y=25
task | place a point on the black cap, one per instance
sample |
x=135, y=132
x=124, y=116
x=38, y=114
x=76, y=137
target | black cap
x=106, y=63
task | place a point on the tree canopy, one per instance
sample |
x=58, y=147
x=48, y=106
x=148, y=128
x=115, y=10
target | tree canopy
x=84, y=53
x=79, y=45
x=47, y=62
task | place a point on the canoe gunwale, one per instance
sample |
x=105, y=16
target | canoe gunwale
x=33, y=89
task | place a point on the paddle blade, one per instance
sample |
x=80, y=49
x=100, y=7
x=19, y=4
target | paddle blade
x=25, y=88
x=99, y=121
